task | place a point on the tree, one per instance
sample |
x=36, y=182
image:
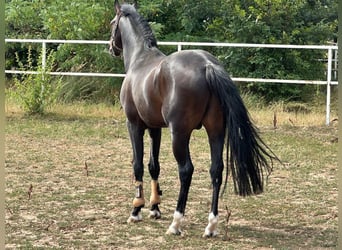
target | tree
x=241, y=21
x=22, y=21
x=282, y=22
x=86, y=20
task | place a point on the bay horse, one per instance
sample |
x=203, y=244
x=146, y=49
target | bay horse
x=183, y=91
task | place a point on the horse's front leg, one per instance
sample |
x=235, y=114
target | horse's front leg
x=136, y=133
x=154, y=169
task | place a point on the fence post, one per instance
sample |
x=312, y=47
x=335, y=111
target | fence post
x=179, y=46
x=335, y=63
x=43, y=68
x=43, y=56
x=329, y=68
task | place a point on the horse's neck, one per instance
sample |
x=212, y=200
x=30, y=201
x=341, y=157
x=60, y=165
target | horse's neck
x=134, y=51
x=130, y=55
x=138, y=56
x=145, y=59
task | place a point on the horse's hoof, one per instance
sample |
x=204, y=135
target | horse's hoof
x=211, y=229
x=173, y=231
x=175, y=226
x=155, y=214
x=134, y=219
x=209, y=234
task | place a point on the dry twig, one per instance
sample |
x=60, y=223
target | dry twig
x=48, y=226
x=86, y=168
x=291, y=122
x=9, y=210
x=29, y=192
x=226, y=226
x=275, y=120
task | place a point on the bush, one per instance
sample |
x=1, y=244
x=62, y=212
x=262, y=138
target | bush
x=35, y=92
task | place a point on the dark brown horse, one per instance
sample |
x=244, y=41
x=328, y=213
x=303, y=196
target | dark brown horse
x=183, y=91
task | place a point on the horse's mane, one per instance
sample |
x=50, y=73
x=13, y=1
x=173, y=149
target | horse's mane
x=142, y=25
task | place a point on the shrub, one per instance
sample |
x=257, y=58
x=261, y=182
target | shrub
x=35, y=92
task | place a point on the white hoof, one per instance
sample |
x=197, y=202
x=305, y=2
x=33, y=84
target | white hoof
x=173, y=231
x=134, y=219
x=155, y=214
x=211, y=229
x=174, y=228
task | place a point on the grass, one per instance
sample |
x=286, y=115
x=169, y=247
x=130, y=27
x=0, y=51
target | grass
x=67, y=208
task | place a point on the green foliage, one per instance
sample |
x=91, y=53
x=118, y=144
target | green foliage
x=35, y=92
x=24, y=19
x=280, y=22
x=240, y=21
x=79, y=20
x=88, y=20
x=74, y=20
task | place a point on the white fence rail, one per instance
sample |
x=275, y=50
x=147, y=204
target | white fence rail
x=329, y=48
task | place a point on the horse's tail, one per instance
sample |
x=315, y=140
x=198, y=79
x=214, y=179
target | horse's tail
x=247, y=154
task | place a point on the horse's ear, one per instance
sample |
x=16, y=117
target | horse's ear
x=117, y=6
x=135, y=4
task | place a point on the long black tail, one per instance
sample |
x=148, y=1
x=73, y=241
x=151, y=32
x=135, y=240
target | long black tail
x=247, y=154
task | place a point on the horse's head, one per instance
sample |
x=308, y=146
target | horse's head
x=115, y=43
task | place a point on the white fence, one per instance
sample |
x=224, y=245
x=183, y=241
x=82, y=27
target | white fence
x=329, y=48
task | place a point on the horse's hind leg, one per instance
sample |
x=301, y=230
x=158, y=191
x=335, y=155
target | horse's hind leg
x=216, y=169
x=180, y=146
x=154, y=170
x=136, y=133
x=216, y=136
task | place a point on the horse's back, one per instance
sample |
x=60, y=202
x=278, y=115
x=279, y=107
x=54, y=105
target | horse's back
x=173, y=92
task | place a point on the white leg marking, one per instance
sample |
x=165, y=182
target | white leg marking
x=174, y=228
x=211, y=229
x=133, y=218
x=155, y=214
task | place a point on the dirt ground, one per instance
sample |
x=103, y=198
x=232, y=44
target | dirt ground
x=69, y=186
